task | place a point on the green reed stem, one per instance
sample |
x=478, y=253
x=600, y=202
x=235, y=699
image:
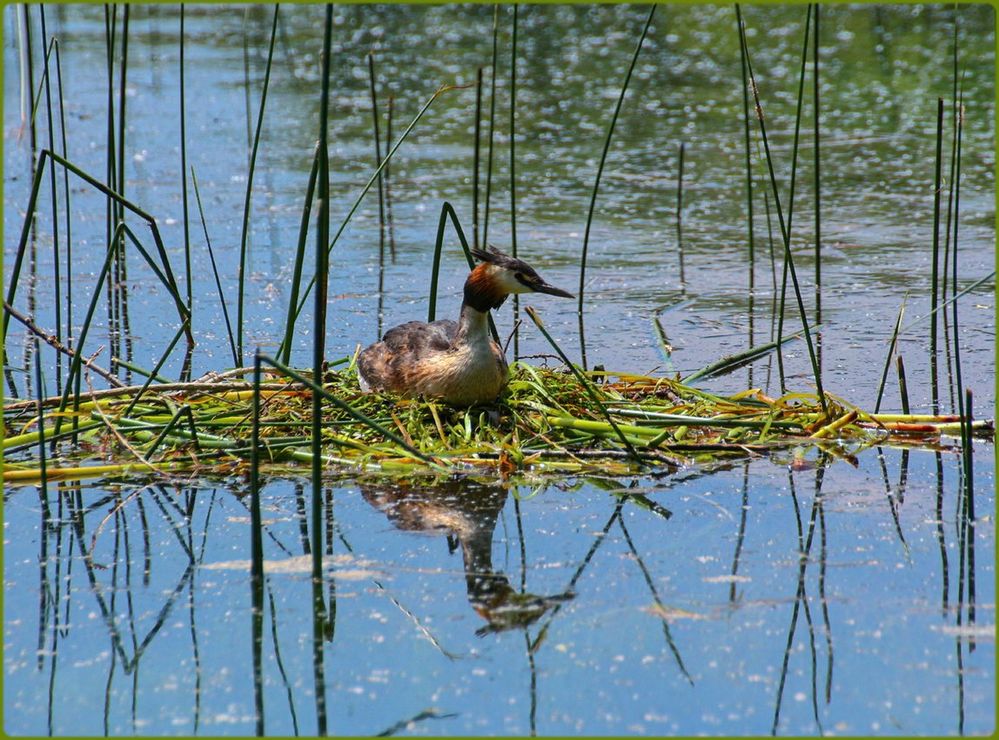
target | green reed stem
x=475, y=157
x=43, y=477
x=749, y=163
x=957, y=219
x=903, y=387
x=447, y=212
x=371, y=180
x=582, y=380
x=492, y=124
x=596, y=183
x=934, y=385
x=303, y=235
x=378, y=154
x=891, y=351
x=735, y=361
x=794, y=172
x=154, y=374
x=679, y=217
x=350, y=410
x=56, y=262
x=513, y=176
x=785, y=232
x=245, y=231
x=166, y=275
x=256, y=543
x=817, y=174
x=215, y=272
x=183, y=173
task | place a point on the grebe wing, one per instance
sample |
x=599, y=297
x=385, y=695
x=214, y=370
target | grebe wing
x=384, y=365
x=419, y=337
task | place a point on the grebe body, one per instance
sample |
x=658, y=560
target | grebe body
x=457, y=361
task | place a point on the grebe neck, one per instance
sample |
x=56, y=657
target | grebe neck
x=473, y=326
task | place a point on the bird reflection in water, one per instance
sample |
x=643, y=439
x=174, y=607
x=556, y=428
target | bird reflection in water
x=466, y=512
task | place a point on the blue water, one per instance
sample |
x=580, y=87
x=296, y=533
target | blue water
x=789, y=594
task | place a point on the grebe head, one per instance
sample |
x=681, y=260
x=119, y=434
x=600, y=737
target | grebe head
x=498, y=275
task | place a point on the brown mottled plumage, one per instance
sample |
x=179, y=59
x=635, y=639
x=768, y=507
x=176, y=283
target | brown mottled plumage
x=455, y=361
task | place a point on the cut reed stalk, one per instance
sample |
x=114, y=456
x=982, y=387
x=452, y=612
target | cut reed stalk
x=903, y=388
x=596, y=183
x=891, y=350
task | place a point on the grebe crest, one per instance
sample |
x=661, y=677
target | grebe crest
x=457, y=361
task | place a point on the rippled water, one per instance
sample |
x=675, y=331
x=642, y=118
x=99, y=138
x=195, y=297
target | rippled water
x=675, y=604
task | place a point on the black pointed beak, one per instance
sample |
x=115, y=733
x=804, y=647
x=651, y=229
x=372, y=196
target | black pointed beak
x=542, y=287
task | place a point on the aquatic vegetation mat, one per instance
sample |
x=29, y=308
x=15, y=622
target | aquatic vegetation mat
x=547, y=420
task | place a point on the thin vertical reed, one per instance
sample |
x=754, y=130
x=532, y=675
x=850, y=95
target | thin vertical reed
x=318, y=353
x=319, y=348
x=56, y=262
x=950, y=199
x=183, y=171
x=378, y=157
x=794, y=171
x=891, y=350
x=817, y=180
x=679, y=218
x=903, y=387
x=749, y=162
x=215, y=271
x=957, y=213
x=256, y=554
x=492, y=124
x=110, y=27
x=785, y=230
x=357, y=202
x=596, y=183
x=475, y=157
x=123, y=332
x=387, y=172
x=245, y=232
x=934, y=385
x=66, y=198
x=513, y=176
x=43, y=476
x=447, y=211
x=296, y=278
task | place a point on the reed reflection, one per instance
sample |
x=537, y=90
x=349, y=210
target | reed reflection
x=466, y=513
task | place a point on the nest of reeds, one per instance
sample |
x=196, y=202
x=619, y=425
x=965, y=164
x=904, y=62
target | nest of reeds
x=546, y=420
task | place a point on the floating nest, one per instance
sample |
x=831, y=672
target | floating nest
x=546, y=421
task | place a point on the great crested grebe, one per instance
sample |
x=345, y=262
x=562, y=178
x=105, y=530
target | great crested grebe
x=457, y=361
